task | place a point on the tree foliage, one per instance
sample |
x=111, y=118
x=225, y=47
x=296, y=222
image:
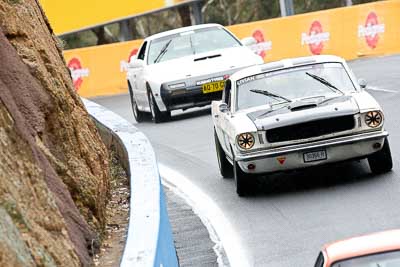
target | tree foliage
x=303, y=6
x=225, y=12
x=229, y=12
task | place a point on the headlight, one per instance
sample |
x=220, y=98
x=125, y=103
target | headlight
x=245, y=140
x=374, y=118
x=177, y=85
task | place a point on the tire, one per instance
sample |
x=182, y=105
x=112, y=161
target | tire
x=156, y=115
x=139, y=115
x=381, y=161
x=225, y=168
x=242, y=180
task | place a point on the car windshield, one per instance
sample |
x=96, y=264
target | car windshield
x=322, y=80
x=387, y=259
x=190, y=43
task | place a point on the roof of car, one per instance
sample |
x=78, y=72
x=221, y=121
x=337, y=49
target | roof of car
x=183, y=29
x=363, y=245
x=285, y=63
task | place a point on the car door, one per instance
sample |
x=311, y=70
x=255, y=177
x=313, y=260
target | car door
x=223, y=123
x=138, y=69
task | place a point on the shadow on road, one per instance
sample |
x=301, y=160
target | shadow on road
x=313, y=178
x=191, y=114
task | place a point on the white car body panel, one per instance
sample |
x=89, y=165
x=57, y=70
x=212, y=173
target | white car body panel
x=348, y=144
x=181, y=68
x=336, y=153
x=366, y=102
x=185, y=69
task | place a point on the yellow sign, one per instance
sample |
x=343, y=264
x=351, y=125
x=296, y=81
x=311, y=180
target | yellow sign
x=72, y=15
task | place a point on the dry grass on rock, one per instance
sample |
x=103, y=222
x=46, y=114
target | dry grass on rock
x=117, y=214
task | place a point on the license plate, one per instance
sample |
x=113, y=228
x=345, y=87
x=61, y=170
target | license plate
x=315, y=156
x=213, y=87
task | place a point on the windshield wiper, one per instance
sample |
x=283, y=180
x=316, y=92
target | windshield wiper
x=162, y=52
x=267, y=93
x=325, y=82
x=269, y=111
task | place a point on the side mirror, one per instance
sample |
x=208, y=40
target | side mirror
x=223, y=107
x=249, y=41
x=362, y=83
x=136, y=63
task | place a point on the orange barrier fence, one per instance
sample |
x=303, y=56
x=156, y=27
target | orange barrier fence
x=101, y=70
x=351, y=32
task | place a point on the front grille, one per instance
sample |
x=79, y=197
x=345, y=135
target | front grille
x=186, y=98
x=194, y=98
x=310, y=129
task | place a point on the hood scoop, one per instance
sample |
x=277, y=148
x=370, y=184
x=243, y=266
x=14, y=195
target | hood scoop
x=299, y=105
x=207, y=57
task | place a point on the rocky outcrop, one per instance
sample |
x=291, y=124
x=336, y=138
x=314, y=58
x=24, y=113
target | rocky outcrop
x=53, y=166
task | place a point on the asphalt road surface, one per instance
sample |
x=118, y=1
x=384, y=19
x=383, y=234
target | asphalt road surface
x=290, y=216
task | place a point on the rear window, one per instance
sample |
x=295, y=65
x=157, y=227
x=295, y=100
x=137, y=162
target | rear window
x=190, y=43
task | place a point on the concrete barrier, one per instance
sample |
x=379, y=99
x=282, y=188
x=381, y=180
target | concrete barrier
x=149, y=240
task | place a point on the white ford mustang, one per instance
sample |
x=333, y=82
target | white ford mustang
x=184, y=68
x=296, y=113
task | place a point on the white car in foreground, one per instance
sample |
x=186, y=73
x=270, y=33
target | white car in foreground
x=184, y=68
x=293, y=114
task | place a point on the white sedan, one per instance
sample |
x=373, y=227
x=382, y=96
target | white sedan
x=293, y=114
x=184, y=68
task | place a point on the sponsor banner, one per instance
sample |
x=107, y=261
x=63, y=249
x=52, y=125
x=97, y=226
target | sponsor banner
x=101, y=70
x=372, y=30
x=351, y=32
x=316, y=38
x=124, y=63
x=77, y=71
x=263, y=45
x=378, y=29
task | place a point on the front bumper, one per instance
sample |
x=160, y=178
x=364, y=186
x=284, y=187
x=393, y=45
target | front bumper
x=192, y=95
x=291, y=157
x=187, y=98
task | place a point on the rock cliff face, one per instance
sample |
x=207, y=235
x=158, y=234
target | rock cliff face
x=53, y=165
